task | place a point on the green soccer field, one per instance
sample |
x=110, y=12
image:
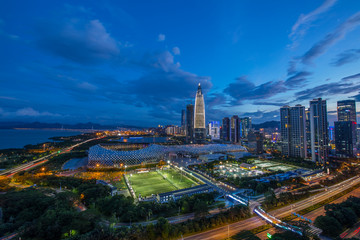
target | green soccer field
x=179, y=180
x=153, y=183
x=150, y=183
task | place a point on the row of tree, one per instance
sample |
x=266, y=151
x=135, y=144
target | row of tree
x=124, y=209
x=284, y=198
x=339, y=217
x=164, y=230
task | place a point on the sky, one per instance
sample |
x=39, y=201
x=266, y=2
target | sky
x=139, y=62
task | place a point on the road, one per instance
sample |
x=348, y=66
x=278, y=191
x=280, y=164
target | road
x=317, y=212
x=222, y=232
x=39, y=161
x=354, y=232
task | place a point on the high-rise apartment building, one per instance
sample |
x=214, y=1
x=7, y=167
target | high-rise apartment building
x=346, y=110
x=199, y=117
x=285, y=130
x=293, y=131
x=308, y=133
x=225, y=130
x=189, y=123
x=319, y=131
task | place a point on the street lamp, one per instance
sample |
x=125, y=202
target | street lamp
x=181, y=168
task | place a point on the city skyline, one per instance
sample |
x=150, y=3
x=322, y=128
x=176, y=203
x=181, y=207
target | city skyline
x=114, y=63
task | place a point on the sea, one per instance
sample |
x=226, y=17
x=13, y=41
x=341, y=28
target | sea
x=18, y=138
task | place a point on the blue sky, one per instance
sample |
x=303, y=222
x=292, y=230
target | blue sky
x=139, y=62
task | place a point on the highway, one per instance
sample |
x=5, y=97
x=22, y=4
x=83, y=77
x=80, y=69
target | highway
x=320, y=211
x=234, y=228
x=39, y=161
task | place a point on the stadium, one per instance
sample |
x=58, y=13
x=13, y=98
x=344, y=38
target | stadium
x=119, y=155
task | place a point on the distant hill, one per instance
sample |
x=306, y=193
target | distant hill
x=270, y=124
x=89, y=125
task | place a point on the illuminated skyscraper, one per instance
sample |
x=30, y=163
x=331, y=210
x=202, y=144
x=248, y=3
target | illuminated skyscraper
x=345, y=128
x=183, y=121
x=235, y=129
x=199, y=116
x=225, y=131
x=214, y=130
x=189, y=124
x=346, y=110
x=293, y=131
x=319, y=131
x=245, y=126
x=345, y=138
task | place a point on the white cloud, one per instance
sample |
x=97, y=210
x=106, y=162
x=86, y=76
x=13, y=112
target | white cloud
x=87, y=86
x=176, y=50
x=161, y=37
x=30, y=112
x=303, y=23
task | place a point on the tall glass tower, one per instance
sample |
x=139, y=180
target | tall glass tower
x=199, y=116
x=346, y=110
x=319, y=131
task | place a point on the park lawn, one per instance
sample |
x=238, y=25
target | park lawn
x=149, y=183
x=179, y=181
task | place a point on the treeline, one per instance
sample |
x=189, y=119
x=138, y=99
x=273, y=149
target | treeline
x=87, y=190
x=164, y=230
x=125, y=210
x=32, y=211
x=44, y=215
x=98, y=195
x=341, y=176
x=338, y=217
x=272, y=201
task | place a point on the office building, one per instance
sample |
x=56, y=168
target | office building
x=345, y=138
x=346, y=110
x=256, y=142
x=183, y=121
x=225, y=130
x=189, y=123
x=293, y=131
x=346, y=129
x=199, y=117
x=235, y=129
x=245, y=126
x=319, y=131
x=214, y=130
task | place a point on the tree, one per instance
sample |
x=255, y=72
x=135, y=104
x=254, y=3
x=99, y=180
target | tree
x=330, y=226
x=262, y=187
x=163, y=227
x=270, y=198
x=201, y=208
x=288, y=235
x=150, y=232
